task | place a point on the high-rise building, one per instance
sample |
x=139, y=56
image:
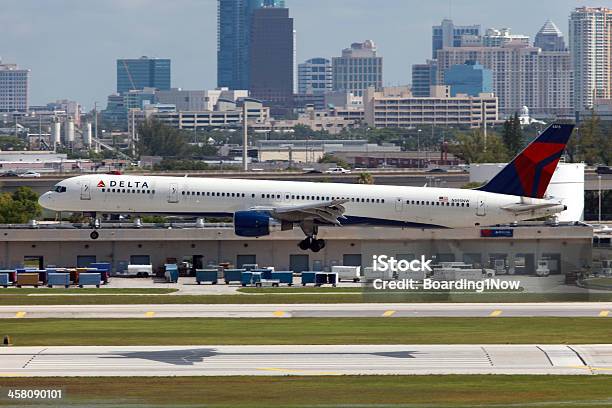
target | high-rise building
x=233, y=40
x=315, y=76
x=271, y=58
x=470, y=78
x=449, y=35
x=14, y=84
x=143, y=72
x=497, y=37
x=590, y=43
x=522, y=76
x=357, y=69
x=549, y=38
x=424, y=76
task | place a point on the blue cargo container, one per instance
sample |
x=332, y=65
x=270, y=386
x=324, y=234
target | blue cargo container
x=232, y=275
x=4, y=280
x=250, y=278
x=171, y=273
x=90, y=279
x=326, y=278
x=104, y=268
x=266, y=273
x=207, y=275
x=283, y=277
x=308, y=277
x=58, y=278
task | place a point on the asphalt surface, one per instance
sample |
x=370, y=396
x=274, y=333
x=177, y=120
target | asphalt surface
x=304, y=360
x=569, y=309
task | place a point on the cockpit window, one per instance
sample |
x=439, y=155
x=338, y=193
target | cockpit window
x=59, y=189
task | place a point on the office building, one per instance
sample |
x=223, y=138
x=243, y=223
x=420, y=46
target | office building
x=197, y=100
x=398, y=107
x=315, y=76
x=424, y=76
x=272, y=58
x=233, y=40
x=143, y=72
x=449, y=35
x=14, y=86
x=522, y=76
x=590, y=43
x=498, y=37
x=550, y=38
x=470, y=78
x=358, y=68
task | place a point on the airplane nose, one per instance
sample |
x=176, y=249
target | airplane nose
x=45, y=199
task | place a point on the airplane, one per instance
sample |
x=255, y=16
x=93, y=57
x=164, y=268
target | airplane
x=260, y=207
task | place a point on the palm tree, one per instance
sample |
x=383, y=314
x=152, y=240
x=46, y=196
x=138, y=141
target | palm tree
x=366, y=178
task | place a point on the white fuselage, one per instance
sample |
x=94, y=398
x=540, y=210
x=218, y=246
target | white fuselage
x=373, y=204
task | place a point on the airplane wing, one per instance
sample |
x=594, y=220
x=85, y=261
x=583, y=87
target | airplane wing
x=326, y=212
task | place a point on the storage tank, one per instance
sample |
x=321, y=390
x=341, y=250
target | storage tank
x=69, y=131
x=566, y=185
x=56, y=133
x=87, y=135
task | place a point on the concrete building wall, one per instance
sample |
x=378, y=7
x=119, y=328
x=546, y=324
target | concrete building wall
x=568, y=247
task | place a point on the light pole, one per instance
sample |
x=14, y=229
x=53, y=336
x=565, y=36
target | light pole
x=419, y=147
x=599, y=196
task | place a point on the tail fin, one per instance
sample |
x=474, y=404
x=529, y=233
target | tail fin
x=529, y=173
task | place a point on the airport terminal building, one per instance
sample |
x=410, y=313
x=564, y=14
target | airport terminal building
x=511, y=250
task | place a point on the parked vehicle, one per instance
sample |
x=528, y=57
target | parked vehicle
x=436, y=170
x=337, y=170
x=603, y=170
x=29, y=174
x=9, y=173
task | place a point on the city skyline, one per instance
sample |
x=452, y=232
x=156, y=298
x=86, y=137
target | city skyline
x=80, y=47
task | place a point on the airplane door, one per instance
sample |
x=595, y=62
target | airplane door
x=85, y=191
x=173, y=194
x=481, y=207
x=399, y=204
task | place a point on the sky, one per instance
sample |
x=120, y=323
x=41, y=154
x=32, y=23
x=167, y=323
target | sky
x=71, y=45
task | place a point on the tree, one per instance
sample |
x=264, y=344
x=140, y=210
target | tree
x=19, y=207
x=330, y=158
x=592, y=144
x=512, y=135
x=470, y=147
x=366, y=178
x=158, y=139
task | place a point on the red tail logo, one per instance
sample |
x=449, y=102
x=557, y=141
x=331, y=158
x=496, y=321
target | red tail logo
x=101, y=184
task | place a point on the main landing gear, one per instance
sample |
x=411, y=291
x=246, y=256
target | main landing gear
x=311, y=242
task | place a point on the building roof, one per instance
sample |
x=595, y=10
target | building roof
x=550, y=28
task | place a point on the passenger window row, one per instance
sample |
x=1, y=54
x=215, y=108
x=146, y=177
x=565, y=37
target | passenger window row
x=214, y=194
x=437, y=203
x=127, y=191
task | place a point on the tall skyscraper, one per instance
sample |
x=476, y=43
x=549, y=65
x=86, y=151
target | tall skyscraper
x=14, y=84
x=271, y=57
x=449, y=35
x=144, y=72
x=590, y=43
x=233, y=40
x=549, y=38
x=315, y=76
x=470, y=78
x=424, y=76
x=357, y=69
x=522, y=76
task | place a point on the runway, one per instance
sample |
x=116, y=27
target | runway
x=391, y=310
x=304, y=360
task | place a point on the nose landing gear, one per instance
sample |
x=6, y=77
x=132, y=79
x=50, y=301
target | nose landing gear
x=95, y=224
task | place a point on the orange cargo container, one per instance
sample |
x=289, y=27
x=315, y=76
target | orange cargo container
x=30, y=279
